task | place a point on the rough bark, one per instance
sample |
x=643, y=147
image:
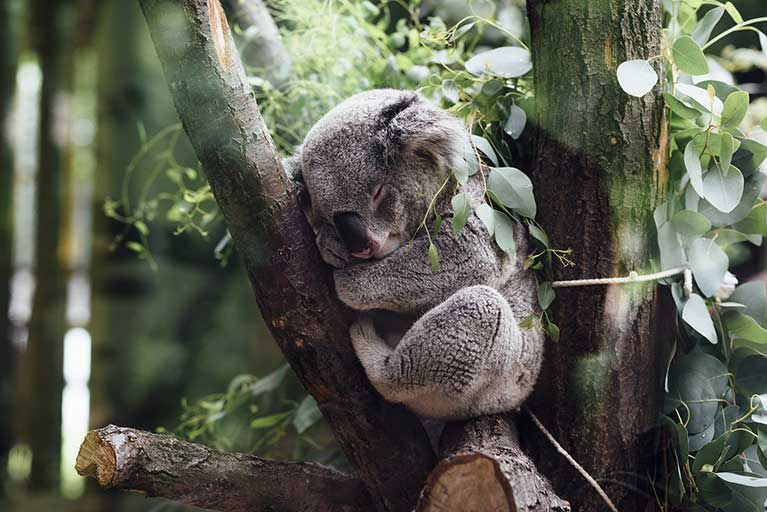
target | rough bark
x=598, y=171
x=259, y=40
x=8, y=60
x=161, y=465
x=484, y=468
x=293, y=288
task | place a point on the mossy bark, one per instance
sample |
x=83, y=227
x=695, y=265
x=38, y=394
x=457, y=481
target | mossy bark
x=599, y=167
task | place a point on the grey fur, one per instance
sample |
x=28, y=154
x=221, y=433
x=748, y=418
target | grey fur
x=464, y=354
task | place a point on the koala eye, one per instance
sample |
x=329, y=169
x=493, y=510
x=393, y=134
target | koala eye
x=377, y=195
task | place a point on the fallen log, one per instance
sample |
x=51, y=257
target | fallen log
x=161, y=465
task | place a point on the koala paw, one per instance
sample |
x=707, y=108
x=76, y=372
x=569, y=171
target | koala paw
x=363, y=334
x=352, y=287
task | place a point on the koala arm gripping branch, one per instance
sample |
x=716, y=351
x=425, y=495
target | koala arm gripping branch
x=405, y=282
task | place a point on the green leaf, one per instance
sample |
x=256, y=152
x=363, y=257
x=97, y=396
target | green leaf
x=552, y=330
x=709, y=265
x=755, y=222
x=689, y=223
x=135, y=247
x=546, y=295
x=636, y=77
x=747, y=479
x=539, y=235
x=484, y=146
x=723, y=192
x=763, y=124
x=461, y=211
x=706, y=25
x=694, y=169
x=269, y=421
x=307, y=415
x=751, y=375
x=270, y=382
x=696, y=315
x=733, y=12
x=745, y=327
x=433, y=257
x=504, y=233
x=671, y=253
x=734, y=110
x=749, y=156
x=506, y=62
x=487, y=215
x=679, y=108
x=514, y=189
x=711, y=454
x=516, y=122
x=712, y=491
x=726, y=237
x=450, y=90
x=753, y=295
x=698, y=380
x=727, y=150
x=689, y=57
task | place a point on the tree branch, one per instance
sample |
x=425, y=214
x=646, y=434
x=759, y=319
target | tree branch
x=384, y=442
x=484, y=468
x=259, y=43
x=161, y=465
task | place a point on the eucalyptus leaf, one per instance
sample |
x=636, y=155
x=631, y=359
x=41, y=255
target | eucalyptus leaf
x=516, y=122
x=701, y=98
x=450, y=90
x=433, y=256
x=726, y=152
x=637, y=77
x=706, y=25
x=709, y=264
x=484, y=146
x=734, y=109
x=733, y=12
x=546, y=295
x=306, y=415
x=723, y=191
x=461, y=211
x=751, y=376
x=689, y=57
x=755, y=222
x=689, y=223
x=506, y=61
x=671, y=252
x=754, y=296
x=504, y=233
x=693, y=166
x=745, y=327
x=747, y=479
x=696, y=315
x=514, y=189
x=680, y=108
x=487, y=215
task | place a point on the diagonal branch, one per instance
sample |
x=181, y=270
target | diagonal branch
x=161, y=465
x=384, y=442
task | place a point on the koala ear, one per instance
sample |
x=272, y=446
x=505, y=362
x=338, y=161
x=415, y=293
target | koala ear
x=294, y=169
x=413, y=127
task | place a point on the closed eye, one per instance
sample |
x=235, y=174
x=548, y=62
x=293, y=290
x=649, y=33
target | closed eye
x=377, y=195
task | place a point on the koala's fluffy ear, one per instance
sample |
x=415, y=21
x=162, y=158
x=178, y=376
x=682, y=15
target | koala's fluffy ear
x=294, y=169
x=413, y=127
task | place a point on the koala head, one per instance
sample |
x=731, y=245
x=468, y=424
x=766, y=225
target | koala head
x=371, y=166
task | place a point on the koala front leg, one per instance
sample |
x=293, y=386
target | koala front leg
x=463, y=358
x=404, y=280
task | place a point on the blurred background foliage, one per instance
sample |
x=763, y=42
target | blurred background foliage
x=125, y=303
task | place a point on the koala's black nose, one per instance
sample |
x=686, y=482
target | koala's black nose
x=353, y=231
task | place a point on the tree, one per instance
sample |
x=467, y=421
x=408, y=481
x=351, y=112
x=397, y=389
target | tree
x=598, y=169
x=385, y=443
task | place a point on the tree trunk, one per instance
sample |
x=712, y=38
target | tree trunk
x=161, y=465
x=598, y=171
x=8, y=61
x=383, y=441
x=40, y=369
x=259, y=40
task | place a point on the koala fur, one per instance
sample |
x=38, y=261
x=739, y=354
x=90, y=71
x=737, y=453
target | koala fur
x=446, y=344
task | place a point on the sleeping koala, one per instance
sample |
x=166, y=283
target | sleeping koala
x=446, y=344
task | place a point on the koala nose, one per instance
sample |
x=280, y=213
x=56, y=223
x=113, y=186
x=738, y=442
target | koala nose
x=353, y=231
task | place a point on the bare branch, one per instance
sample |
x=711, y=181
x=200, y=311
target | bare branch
x=161, y=465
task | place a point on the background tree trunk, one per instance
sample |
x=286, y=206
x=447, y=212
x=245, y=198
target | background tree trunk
x=8, y=61
x=40, y=368
x=598, y=170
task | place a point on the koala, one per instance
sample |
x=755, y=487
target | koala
x=446, y=344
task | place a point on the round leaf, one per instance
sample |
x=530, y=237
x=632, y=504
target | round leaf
x=689, y=223
x=734, y=110
x=689, y=57
x=723, y=192
x=751, y=375
x=692, y=164
x=709, y=265
x=504, y=233
x=637, y=77
x=506, y=61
